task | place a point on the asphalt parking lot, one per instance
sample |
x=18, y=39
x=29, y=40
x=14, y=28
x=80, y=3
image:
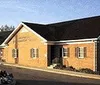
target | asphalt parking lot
x=34, y=77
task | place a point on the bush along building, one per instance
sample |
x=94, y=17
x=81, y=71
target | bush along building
x=71, y=43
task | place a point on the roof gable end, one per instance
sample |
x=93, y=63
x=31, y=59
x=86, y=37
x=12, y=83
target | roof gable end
x=17, y=29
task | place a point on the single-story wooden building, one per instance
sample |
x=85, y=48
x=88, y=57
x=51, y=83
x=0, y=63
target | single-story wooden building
x=72, y=43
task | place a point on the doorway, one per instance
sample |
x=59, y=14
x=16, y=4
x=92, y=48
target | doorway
x=54, y=54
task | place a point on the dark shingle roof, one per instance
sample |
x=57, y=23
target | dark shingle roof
x=69, y=30
x=4, y=35
x=78, y=29
x=43, y=30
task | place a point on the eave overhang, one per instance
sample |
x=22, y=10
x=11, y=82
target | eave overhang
x=71, y=41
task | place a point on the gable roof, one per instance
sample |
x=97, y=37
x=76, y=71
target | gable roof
x=43, y=30
x=77, y=29
x=19, y=27
x=4, y=35
x=68, y=30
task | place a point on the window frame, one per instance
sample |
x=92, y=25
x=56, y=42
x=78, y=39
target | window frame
x=1, y=52
x=33, y=53
x=15, y=53
x=65, y=52
x=80, y=52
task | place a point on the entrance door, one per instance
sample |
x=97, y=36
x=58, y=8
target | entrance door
x=56, y=54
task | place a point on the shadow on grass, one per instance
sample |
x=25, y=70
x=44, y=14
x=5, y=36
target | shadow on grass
x=40, y=82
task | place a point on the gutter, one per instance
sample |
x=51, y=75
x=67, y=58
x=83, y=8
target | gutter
x=71, y=41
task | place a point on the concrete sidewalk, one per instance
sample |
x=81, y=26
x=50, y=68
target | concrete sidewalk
x=58, y=71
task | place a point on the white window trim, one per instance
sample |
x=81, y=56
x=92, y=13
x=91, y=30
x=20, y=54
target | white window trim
x=15, y=53
x=36, y=53
x=81, y=54
x=65, y=52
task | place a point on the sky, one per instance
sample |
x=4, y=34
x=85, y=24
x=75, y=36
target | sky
x=13, y=12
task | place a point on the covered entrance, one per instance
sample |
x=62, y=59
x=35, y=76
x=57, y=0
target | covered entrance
x=54, y=54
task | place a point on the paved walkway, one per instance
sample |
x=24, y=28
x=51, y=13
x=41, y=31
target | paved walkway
x=57, y=71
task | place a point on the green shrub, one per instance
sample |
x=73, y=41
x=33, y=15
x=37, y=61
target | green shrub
x=70, y=68
x=86, y=70
x=59, y=66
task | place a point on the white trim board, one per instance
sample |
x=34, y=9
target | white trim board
x=34, y=32
x=78, y=40
x=12, y=34
x=17, y=28
x=81, y=41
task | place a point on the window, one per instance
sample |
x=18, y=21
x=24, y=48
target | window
x=14, y=53
x=80, y=52
x=1, y=53
x=34, y=52
x=66, y=52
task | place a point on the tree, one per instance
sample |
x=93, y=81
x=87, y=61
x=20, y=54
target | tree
x=2, y=27
x=6, y=28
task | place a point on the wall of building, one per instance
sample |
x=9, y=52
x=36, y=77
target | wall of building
x=24, y=41
x=86, y=62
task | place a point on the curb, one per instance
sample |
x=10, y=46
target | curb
x=57, y=71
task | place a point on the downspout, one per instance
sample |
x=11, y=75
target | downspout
x=16, y=42
x=16, y=47
x=95, y=56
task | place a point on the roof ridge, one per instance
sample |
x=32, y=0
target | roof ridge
x=74, y=20
x=34, y=23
